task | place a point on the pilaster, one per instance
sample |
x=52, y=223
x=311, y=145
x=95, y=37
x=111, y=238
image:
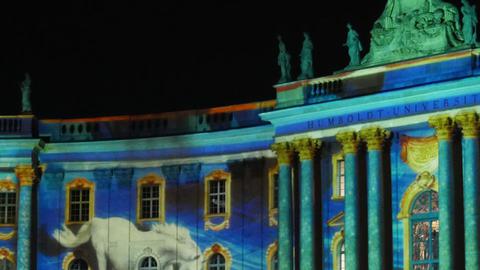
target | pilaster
x=468, y=121
x=375, y=138
x=444, y=127
x=350, y=142
x=285, y=152
x=307, y=149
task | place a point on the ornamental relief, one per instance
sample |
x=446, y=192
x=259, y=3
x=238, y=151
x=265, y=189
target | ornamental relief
x=420, y=154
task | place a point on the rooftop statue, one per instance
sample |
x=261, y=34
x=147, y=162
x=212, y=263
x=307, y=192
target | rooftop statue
x=414, y=28
x=354, y=46
x=25, y=87
x=283, y=62
x=470, y=22
x=306, y=63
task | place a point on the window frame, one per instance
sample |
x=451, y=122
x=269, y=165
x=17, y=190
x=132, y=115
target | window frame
x=70, y=257
x=212, y=219
x=429, y=217
x=217, y=249
x=7, y=186
x=338, y=241
x=9, y=256
x=423, y=182
x=272, y=208
x=272, y=250
x=151, y=180
x=150, y=267
x=336, y=196
x=80, y=184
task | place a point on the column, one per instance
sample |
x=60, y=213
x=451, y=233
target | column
x=285, y=231
x=349, y=141
x=444, y=125
x=306, y=149
x=375, y=137
x=469, y=123
x=26, y=175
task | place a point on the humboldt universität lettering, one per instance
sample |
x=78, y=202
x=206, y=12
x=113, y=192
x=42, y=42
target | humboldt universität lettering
x=394, y=112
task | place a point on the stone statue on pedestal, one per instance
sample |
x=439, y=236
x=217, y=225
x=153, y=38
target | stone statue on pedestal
x=306, y=62
x=25, y=87
x=283, y=62
x=354, y=46
x=470, y=21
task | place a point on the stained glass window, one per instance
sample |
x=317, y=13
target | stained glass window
x=424, y=231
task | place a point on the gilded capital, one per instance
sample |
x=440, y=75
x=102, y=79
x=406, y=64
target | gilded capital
x=306, y=147
x=349, y=141
x=25, y=174
x=374, y=137
x=468, y=121
x=284, y=152
x=443, y=126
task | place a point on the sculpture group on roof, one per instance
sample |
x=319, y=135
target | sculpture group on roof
x=406, y=29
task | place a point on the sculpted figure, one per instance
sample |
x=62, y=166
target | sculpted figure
x=470, y=21
x=306, y=62
x=26, y=106
x=354, y=46
x=283, y=62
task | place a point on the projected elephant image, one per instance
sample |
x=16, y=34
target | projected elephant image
x=120, y=244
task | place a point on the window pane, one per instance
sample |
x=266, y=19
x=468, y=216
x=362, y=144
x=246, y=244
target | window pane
x=85, y=195
x=421, y=232
x=422, y=204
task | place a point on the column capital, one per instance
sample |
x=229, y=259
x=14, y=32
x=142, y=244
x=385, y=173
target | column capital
x=443, y=125
x=26, y=174
x=374, y=137
x=284, y=152
x=468, y=121
x=349, y=141
x=306, y=147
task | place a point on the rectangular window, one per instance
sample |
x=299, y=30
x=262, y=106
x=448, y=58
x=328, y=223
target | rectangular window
x=79, y=205
x=8, y=207
x=217, y=196
x=341, y=177
x=338, y=176
x=275, y=191
x=150, y=201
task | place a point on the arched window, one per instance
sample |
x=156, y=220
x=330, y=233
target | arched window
x=216, y=262
x=78, y=264
x=341, y=259
x=424, y=231
x=338, y=250
x=148, y=263
x=275, y=261
x=217, y=258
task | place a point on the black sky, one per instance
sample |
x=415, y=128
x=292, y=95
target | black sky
x=94, y=57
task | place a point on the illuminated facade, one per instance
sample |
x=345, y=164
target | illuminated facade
x=374, y=167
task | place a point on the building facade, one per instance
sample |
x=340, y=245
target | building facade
x=374, y=167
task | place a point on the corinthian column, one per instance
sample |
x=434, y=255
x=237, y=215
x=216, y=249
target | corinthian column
x=26, y=176
x=444, y=126
x=375, y=137
x=285, y=241
x=306, y=149
x=349, y=141
x=469, y=123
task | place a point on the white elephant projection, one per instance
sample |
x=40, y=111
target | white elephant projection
x=119, y=242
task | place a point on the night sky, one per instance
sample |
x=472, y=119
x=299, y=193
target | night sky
x=95, y=58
